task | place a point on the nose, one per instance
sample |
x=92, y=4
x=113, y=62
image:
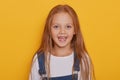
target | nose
x=62, y=31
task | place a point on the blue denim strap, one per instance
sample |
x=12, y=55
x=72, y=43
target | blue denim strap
x=42, y=71
x=76, y=67
x=41, y=62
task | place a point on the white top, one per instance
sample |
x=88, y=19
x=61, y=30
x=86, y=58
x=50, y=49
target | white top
x=59, y=66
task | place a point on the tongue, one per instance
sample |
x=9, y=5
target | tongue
x=61, y=38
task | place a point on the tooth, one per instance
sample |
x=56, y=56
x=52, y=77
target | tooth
x=62, y=38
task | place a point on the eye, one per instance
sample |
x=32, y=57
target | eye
x=56, y=26
x=68, y=26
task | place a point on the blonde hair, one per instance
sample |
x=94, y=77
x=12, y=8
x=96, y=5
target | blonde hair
x=86, y=66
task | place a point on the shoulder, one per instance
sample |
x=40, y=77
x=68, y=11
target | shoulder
x=37, y=56
x=40, y=56
x=34, y=58
x=34, y=75
x=88, y=57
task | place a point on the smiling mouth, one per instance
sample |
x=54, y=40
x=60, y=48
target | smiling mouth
x=62, y=38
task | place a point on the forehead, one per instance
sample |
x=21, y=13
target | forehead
x=62, y=17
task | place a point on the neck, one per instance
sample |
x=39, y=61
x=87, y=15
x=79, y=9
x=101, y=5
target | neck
x=64, y=51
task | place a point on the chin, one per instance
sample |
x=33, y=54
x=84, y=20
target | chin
x=60, y=45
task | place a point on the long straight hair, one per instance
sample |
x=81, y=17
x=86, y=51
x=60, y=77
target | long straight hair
x=86, y=66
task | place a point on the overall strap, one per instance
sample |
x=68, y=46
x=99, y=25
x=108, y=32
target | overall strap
x=41, y=62
x=76, y=67
x=42, y=71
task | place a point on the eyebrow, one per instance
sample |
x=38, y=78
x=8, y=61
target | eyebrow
x=59, y=24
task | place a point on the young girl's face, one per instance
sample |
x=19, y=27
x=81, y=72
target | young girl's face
x=62, y=29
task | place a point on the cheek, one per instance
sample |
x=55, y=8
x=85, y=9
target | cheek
x=53, y=34
x=71, y=34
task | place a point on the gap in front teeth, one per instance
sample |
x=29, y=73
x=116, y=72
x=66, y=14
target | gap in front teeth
x=61, y=38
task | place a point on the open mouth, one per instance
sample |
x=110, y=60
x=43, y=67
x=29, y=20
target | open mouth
x=62, y=38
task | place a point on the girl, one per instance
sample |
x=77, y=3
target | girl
x=62, y=54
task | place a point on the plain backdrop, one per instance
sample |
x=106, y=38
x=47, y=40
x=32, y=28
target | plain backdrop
x=21, y=27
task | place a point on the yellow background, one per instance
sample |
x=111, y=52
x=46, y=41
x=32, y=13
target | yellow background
x=21, y=27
